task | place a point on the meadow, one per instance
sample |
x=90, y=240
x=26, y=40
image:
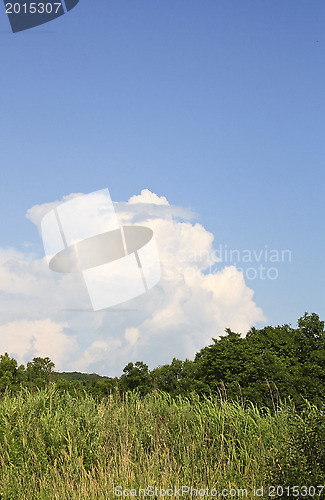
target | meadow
x=56, y=445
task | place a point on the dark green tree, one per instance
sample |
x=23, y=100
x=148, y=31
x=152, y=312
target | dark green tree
x=311, y=352
x=11, y=375
x=136, y=376
x=268, y=365
x=40, y=371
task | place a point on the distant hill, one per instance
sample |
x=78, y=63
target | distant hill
x=78, y=376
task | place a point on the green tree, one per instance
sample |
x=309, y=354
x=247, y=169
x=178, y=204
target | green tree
x=11, y=375
x=40, y=371
x=136, y=376
x=167, y=377
x=268, y=365
x=311, y=352
x=227, y=363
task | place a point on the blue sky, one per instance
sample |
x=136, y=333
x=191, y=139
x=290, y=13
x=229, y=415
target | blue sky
x=216, y=105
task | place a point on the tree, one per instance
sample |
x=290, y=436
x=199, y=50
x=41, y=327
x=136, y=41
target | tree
x=11, y=375
x=227, y=362
x=311, y=352
x=39, y=371
x=311, y=335
x=268, y=365
x=311, y=326
x=136, y=376
x=167, y=377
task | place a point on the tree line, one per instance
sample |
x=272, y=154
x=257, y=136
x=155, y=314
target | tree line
x=265, y=367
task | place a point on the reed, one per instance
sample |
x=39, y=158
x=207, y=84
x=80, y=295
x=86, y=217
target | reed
x=54, y=445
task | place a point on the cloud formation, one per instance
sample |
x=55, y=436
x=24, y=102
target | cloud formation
x=37, y=338
x=47, y=314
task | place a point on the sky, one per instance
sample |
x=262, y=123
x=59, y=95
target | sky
x=205, y=120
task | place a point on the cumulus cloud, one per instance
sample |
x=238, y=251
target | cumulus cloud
x=147, y=196
x=36, y=213
x=49, y=314
x=99, y=353
x=132, y=335
x=24, y=338
x=150, y=206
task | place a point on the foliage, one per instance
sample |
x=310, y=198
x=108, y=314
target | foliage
x=301, y=459
x=11, y=375
x=266, y=367
x=136, y=376
x=54, y=445
x=248, y=411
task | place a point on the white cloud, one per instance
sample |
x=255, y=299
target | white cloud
x=132, y=335
x=36, y=213
x=25, y=340
x=48, y=314
x=147, y=196
x=100, y=353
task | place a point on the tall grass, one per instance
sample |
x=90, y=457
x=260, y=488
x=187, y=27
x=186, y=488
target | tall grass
x=57, y=446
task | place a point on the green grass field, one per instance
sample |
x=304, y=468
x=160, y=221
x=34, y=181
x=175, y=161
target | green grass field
x=57, y=446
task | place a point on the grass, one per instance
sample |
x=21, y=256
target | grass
x=57, y=446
